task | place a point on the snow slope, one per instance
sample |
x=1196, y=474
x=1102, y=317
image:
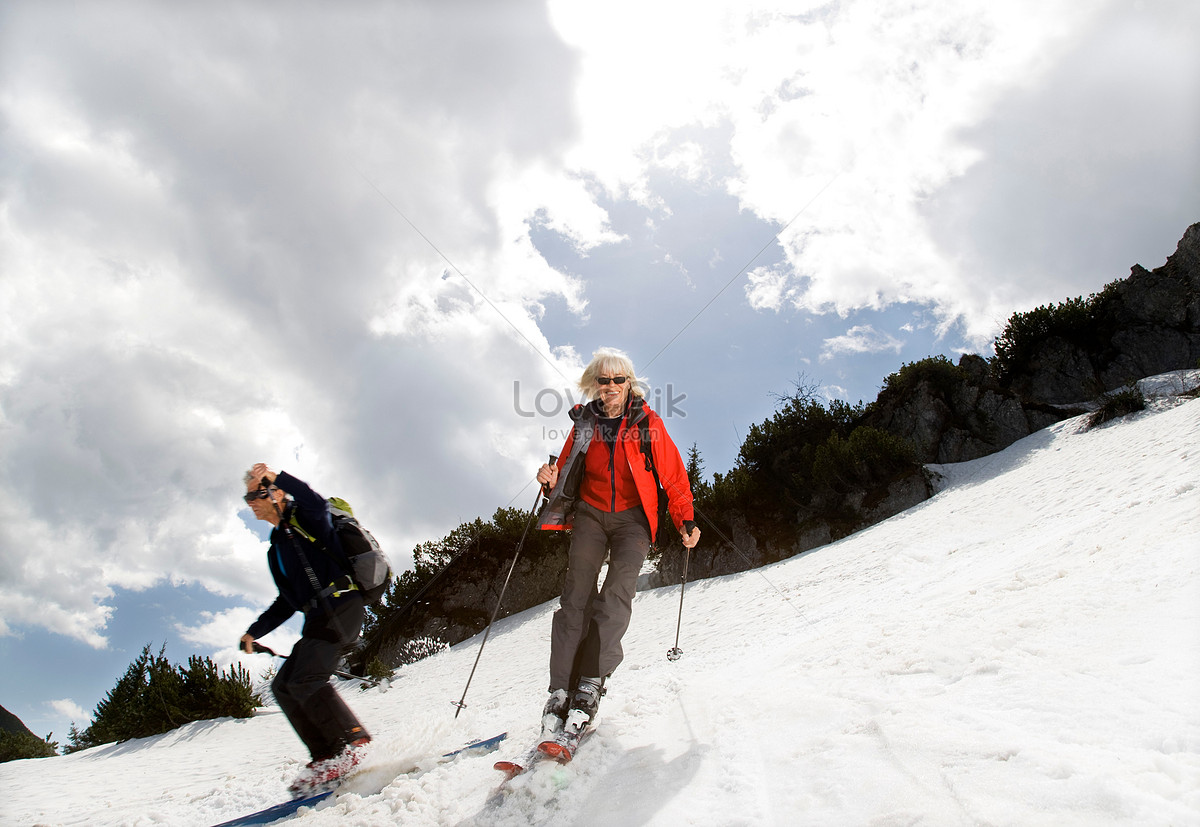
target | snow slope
x=1022, y=649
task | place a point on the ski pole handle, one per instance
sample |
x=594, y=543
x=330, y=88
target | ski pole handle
x=259, y=649
x=546, y=488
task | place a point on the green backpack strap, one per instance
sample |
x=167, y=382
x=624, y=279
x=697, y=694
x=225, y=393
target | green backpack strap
x=294, y=523
x=337, y=507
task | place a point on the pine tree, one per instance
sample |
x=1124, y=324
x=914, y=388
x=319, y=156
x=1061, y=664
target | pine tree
x=154, y=697
x=695, y=471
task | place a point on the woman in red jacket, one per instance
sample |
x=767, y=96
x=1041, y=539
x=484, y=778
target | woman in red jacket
x=603, y=488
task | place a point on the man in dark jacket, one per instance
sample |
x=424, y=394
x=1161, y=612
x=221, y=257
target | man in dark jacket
x=304, y=561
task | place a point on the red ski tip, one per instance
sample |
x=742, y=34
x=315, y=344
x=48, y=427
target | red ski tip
x=555, y=750
x=511, y=768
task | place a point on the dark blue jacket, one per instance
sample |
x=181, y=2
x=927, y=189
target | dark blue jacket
x=291, y=548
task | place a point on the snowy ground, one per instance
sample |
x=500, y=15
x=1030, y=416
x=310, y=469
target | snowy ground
x=1022, y=649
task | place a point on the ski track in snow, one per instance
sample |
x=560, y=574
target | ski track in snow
x=1021, y=649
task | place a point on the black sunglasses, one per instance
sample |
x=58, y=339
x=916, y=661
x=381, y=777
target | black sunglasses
x=260, y=494
x=616, y=380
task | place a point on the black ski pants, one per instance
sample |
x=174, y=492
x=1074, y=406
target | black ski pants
x=313, y=707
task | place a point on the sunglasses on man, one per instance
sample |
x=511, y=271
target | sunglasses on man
x=616, y=380
x=260, y=494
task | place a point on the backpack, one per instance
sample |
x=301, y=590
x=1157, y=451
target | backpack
x=368, y=564
x=364, y=562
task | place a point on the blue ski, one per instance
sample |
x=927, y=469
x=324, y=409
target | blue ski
x=289, y=808
x=483, y=745
x=277, y=812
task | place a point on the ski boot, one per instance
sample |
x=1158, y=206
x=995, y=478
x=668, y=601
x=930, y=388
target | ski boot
x=554, y=714
x=578, y=724
x=584, y=706
x=326, y=774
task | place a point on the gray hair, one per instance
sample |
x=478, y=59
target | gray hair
x=614, y=361
x=248, y=478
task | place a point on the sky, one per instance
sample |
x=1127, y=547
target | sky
x=1021, y=649
x=374, y=244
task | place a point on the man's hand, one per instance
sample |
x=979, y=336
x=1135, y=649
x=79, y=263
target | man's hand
x=260, y=471
x=247, y=644
x=690, y=537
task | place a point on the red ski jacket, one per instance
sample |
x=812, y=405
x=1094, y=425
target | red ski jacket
x=620, y=479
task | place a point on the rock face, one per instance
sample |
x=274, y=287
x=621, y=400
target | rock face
x=460, y=599
x=11, y=723
x=466, y=602
x=747, y=548
x=961, y=414
x=1146, y=324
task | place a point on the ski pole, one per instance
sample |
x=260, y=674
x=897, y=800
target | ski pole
x=264, y=650
x=461, y=702
x=675, y=653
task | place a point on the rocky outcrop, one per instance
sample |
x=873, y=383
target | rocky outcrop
x=955, y=413
x=746, y=547
x=463, y=606
x=459, y=599
x=11, y=723
x=1146, y=324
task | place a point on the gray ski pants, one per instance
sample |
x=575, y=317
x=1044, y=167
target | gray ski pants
x=585, y=635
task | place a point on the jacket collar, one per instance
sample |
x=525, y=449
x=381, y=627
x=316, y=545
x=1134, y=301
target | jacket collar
x=635, y=411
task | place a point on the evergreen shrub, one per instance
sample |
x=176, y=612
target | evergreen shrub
x=155, y=697
x=1085, y=322
x=15, y=746
x=1117, y=404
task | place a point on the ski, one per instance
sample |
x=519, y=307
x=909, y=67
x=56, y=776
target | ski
x=560, y=751
x=539, y=752
x=482, y=745
x=514, y=768
x=289, y=808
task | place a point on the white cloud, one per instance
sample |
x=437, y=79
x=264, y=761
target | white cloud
x=834, y=392
x=853, y=120
x=885, y=92
x=67, y=708
x=218, y=629
x=200, y=226
x=860, y=339
x=766, y=288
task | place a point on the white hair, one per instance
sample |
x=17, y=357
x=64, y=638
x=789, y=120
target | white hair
x=613, y=361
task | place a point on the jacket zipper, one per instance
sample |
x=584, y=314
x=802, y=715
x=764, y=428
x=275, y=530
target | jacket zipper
x=612, y=468
x=612, y=474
